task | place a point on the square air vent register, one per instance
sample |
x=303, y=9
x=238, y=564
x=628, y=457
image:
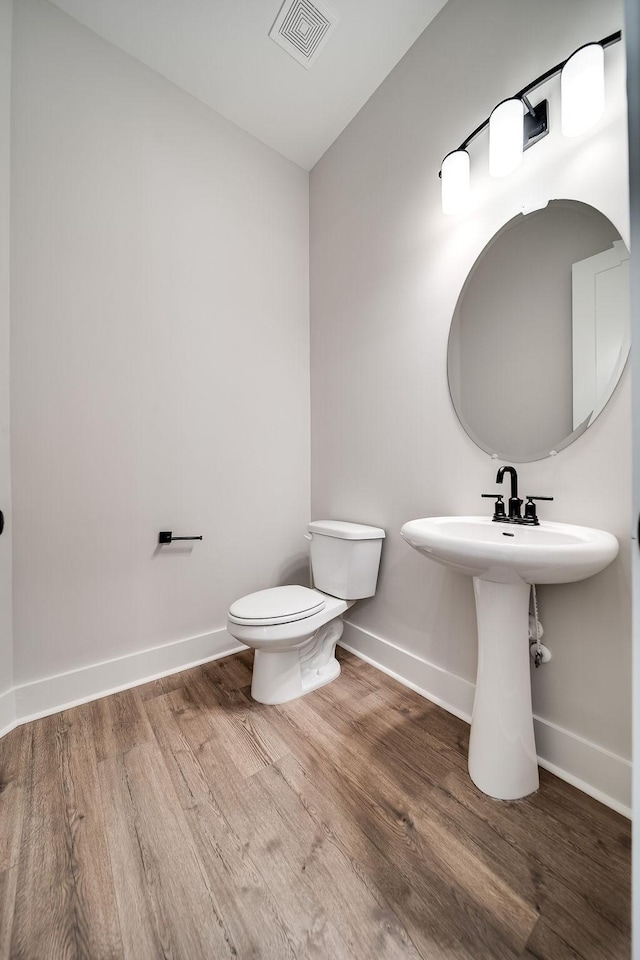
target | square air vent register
x=302, y=28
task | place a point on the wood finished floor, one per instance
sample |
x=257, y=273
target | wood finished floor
x=183, y=820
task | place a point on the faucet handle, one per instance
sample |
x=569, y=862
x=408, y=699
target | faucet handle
x=498, y=509
x=530, y=515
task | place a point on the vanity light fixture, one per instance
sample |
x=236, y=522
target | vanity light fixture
x=582, y=90
x=506, y=137
x=515, y=124
x=455, y=182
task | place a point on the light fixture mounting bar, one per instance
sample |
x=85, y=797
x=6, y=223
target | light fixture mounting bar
x=536, y=122
x=531, y=117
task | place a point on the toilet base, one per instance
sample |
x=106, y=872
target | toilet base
x=283, y=675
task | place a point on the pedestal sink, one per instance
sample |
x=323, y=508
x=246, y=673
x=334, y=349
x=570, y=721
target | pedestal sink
x=504, y=559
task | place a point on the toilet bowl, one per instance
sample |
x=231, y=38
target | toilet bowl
x=294, y=629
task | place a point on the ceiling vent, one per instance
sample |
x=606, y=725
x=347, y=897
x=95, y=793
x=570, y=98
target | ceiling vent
x=302, y=28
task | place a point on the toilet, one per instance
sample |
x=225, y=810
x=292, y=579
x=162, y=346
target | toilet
x=293, y=629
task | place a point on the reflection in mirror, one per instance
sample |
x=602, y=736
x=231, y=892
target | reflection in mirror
x=540, y=333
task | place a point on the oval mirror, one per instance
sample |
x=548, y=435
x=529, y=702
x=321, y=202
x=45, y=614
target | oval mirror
x=541, y=331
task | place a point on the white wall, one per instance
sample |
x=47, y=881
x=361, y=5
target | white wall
x=386, y=271
x=159, y=352
x=6, y=643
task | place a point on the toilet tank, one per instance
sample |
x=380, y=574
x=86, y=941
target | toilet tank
x=345, y=558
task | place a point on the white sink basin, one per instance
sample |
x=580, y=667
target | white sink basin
x=507, y=552
x=504, y=559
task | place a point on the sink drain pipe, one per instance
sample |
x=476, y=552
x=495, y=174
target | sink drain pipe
x=539, y=652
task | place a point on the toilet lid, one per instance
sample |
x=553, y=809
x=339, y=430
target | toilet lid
x=277, y=605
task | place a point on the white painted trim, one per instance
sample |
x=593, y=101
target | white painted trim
x=586, y=765
x=7, y=711
x=40, y=698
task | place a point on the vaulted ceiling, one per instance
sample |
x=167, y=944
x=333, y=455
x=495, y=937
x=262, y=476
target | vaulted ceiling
x=220, y=52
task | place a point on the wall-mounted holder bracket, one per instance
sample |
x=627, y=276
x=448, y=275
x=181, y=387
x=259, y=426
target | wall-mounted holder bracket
x=536, y=122
x=166, y=536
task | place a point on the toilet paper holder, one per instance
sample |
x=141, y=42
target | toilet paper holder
x=166, y=536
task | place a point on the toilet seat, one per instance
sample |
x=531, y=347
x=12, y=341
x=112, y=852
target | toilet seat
x=276, y=605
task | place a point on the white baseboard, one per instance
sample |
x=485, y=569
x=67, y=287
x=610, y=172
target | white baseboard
x=40, y=698
x=586, y=765
x=7, y=711
x=436, y=684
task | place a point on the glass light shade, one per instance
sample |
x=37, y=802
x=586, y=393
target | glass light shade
x=582, y=90
x=455, y=182
x=506, y=134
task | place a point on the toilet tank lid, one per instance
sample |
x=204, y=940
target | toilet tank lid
x=346, y=531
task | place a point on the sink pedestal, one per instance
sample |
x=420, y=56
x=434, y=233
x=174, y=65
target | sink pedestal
x=502, y=749
x=503, y=559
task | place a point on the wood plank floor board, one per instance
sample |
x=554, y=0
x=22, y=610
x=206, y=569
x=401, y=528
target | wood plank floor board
x=583, y=833
x=259, y=828
x=529, y=827
x=248, y=736
x=64, y=895
x=360, y=683
x=597, y=826
x=385, y=826
x=15, y=749
x=306, y=781
x=165, y=903
x=158, y=688
x=369, y=926
x=234, y=673
x=389, y=767
x=66, y=794
x=537, y=881
x=120, y=723
x=546, y=943
x=44, y=869
x=446, y=734
x=599, y=913
x=448, y=818
x=96, y=922
x=532, y=826
x=182, y=820
x=8, y=884
x=436, y=923
x=390, y=738
x=451, y=730
x=526, y=828
x=420, y=724
x=426, y=856
x=586, y=919
x=15, y=754
x=253, y=918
